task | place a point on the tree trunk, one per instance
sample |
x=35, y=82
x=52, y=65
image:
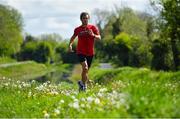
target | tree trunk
x=175, y=49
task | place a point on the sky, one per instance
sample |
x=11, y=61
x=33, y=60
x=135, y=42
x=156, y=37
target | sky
x=62, y=16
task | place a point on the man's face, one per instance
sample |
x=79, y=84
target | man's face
x=85, y=19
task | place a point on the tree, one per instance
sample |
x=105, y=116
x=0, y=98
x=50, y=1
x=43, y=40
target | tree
x=138, y=26
x=159, y=51
x=39, y=51
x=52, y=37
x=170, y=26
x=101, y=18
x=123, y=48
x=10, y=31
x=44, y=52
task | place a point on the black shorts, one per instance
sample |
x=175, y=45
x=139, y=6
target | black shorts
x=83, y=58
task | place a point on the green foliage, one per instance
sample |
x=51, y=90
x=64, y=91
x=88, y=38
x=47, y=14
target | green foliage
x=123, y=48
x=123, y=39
x=132, y=23
x=62, y=50
x=43, y=52
x=169, y=27
x=40, y=51
x=28, y=51
x=127, y=38
x=160, y=52
x=10, y=33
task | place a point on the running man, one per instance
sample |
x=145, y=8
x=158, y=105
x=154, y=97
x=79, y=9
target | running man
x=86, y=33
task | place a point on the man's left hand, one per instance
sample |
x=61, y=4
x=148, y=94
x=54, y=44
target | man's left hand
x=91, y=33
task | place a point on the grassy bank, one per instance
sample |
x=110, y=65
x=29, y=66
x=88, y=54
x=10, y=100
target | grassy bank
x=25, y=70
x=122, y=92
x=151, y=94
x=4, y=60
x=28, y=70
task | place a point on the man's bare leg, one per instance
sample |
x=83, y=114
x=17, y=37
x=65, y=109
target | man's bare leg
x=84, y=74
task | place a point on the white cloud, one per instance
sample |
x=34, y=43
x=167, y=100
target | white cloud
x=61, y=16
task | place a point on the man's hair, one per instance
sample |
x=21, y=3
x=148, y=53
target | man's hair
x=84, y=14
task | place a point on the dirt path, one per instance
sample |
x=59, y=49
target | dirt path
x=13, y=64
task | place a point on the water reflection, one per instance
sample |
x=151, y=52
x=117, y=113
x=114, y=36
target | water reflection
x=54, y=77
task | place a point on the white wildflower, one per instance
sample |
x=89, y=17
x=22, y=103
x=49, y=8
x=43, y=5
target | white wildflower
x=76, y=100
x=123, y=101
x=46, y=115
x=73, y=97
x=117, y=105
x=75, y=92
x=61, y=101
x=33, y=81
x=83, y=99
x=114, y=92
x=97, y=101
x=67, y=94
x=40, y=88
x=74, y=105
x=6, y=84
x=100, y=94
x=88, y=106
x=48, y=82
x=103, y=90
x=54, y=92
x=90, y=99
x=82, y=105
x=20, y=86
x=29, y=94
x=56, y=111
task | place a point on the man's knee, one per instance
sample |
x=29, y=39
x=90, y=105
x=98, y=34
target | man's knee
x=85, y=68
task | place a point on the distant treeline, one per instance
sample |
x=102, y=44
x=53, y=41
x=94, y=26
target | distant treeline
x=129, y=38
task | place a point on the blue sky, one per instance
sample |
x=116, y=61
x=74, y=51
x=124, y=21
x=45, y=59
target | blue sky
x=62, y=16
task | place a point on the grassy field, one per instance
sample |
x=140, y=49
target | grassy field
x=122, y=92
x=6, y=60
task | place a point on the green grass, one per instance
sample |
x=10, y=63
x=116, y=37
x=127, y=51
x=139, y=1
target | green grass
x=26, y=70
x=152, y=94
x=121, y=92
x=4, y=60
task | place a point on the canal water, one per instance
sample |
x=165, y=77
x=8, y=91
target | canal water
x=54, y=77
x=57, y=77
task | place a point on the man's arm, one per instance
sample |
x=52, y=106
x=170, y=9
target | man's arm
x=96, y=36
x=71, y=43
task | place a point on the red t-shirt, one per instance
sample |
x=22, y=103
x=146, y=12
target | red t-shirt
x=85, y=44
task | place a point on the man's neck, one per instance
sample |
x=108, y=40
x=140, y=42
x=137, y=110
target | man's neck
x=84, y=25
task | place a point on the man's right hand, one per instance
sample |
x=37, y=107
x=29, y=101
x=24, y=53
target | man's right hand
x=70, y=49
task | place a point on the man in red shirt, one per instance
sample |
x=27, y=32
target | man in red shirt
x=85, y=48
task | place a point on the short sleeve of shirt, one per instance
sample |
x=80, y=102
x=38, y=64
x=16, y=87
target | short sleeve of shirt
x=75, y=32
x=95, y=30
